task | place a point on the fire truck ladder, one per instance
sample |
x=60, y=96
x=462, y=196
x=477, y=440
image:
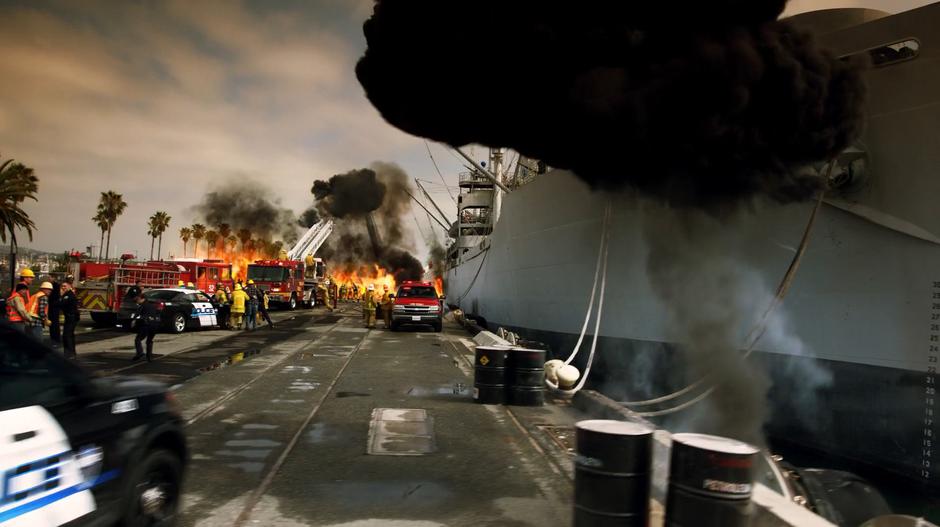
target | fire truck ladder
x=311, y=241
x=149, y=278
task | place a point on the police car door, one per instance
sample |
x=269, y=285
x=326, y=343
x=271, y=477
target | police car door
x=36, y=379
x=203, y=310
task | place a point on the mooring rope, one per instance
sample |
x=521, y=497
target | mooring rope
x=600, y=271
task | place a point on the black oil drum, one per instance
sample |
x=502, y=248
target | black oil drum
x=489, y=375
x=710, y=481
x=525, y=377
x=612, y=473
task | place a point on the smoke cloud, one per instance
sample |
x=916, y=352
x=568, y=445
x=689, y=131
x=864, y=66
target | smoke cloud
x=380, y=190
x=308, y=218
x=248, y=205
x=713, y=302
x=695, y=103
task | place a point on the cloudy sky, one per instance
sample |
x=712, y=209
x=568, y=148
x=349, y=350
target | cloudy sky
x=163, y=100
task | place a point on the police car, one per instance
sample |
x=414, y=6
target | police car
x=180, y=308
x=74, y=448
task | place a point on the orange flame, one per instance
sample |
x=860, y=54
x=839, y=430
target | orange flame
x=439, y=285
x=363, y=277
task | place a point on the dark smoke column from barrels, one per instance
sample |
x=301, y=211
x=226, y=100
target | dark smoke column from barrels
x=710, y=481
x=612, y=474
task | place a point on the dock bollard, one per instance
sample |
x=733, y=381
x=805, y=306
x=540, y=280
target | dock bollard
x=710, y=481
x=525, y=377
x=489, y=375
x=612, y=473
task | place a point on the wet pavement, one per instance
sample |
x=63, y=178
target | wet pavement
x=321, y=422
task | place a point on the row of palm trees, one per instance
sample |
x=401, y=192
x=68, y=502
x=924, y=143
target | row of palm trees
x=223, y=239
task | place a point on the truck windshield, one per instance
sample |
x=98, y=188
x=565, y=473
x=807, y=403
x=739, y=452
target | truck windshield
x=261, y=273
x=417, y=292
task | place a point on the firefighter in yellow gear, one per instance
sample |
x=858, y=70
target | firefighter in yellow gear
x=368, y=306
x=239, y=299
x=387, y=305
x=328, y=296
x=221, y=299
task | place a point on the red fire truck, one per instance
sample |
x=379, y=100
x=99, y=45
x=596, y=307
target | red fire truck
x=203, y=274
x=289, y=283
x=102, y=286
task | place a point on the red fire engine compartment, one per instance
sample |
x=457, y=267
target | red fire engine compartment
x=102, y=286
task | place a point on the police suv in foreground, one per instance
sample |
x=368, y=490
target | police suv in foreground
x=75, y=448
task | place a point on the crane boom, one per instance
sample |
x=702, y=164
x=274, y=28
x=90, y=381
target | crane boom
x=312, y=240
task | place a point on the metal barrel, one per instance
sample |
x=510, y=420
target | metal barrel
x=612, y=473
x=525, y=377
x=710, y=481
x=489, y=375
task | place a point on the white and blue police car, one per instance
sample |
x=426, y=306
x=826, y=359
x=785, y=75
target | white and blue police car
x=80, y=450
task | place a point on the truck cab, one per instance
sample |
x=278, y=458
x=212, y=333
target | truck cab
x=417, y=302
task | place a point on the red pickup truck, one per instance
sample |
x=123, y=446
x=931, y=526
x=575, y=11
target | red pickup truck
x=417, y=303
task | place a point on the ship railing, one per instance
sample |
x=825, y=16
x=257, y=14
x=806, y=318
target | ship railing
x=473, y=177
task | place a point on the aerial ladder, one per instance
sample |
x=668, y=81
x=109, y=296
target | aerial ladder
x=311, y=241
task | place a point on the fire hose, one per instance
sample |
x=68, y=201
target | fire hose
x=756, y=332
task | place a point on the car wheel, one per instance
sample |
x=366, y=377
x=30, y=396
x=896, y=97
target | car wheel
x=394, y=326
x=292, y=305
x=438, y=326
x=179, y=323
x=154, y=491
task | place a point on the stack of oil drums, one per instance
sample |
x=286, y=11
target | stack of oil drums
x=504, y=375
x=710, y=481
x=710, y=477
x=612, y=475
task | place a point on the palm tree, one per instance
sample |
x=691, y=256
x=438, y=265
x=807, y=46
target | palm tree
x=17, y=184
x=225, y=230
x=163, y=223
x=102, y=224
x=212, y=242
x=244, y=235
x=152, y=232
x=112, y=205
x=232, y=241
x=185, y=234
x=199, y=232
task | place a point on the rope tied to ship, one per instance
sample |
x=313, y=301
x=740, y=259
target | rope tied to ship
x=600, y=271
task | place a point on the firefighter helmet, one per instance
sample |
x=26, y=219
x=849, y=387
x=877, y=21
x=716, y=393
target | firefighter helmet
x=26, y=272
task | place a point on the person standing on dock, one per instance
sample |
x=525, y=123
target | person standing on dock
x=221, y=299
x=251, y=306
x=17, y=313
x=39, y=310
x=239, y=299
x=263, y=303
x=387, y=306
x=368, y=306
x=68, y=306
x=148, y=322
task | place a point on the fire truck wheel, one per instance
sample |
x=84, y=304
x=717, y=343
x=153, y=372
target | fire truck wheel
x=179, y=323
x=293, y=303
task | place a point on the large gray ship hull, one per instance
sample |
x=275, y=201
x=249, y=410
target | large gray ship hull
x=862, y=304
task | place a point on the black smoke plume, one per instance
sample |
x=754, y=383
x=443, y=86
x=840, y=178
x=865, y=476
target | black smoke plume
x=308, y=218
x=248, y=205
x=381, y=191
x=696, y=103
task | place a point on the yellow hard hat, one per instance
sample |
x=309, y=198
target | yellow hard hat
x=181, y=283
x=251, y=282
x=189, y=284
x=238, y=287
x=45, y=285
x=27, y=273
